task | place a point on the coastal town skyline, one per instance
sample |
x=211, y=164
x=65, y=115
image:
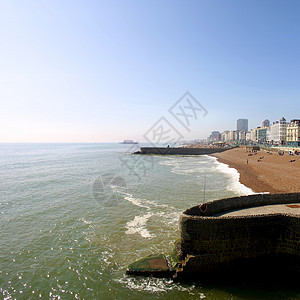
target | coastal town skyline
x=280, y=132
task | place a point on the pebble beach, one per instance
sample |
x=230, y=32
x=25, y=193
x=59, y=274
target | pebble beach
x=264, y=171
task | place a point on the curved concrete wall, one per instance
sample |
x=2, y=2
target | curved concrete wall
x=209, y=241
x=225, y=205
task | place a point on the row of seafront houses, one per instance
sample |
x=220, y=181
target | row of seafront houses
x=279, y=133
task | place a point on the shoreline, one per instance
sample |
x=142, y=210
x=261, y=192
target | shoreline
x=273, y=173
x=249, y=179
x=232, y=171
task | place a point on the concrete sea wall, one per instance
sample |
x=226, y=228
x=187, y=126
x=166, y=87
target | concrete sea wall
x=180, y=151
x=209, y=242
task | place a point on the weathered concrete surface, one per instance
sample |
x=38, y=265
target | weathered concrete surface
x=293, y=208
x=180, y=151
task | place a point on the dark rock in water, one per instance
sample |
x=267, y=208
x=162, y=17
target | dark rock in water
x=155, y=264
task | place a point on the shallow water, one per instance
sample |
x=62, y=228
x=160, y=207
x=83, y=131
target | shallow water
x=73, y=216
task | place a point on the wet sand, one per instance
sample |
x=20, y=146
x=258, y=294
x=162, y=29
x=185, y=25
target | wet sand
x=273, y=173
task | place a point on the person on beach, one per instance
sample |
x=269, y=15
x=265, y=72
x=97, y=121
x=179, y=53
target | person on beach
x=247, y=161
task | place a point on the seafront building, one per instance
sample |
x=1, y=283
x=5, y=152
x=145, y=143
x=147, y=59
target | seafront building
x=279, y=133
x=293, y=133
x=242, y=125
x=248, y=136
x=232, y=135
x=215, y=136
x=225, y=136
x=241, y=135
x=265, y=123
x=253, y=135
x=261, y=134
x=276, y=134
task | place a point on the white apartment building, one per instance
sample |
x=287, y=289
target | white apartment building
x=241, y=135
x=253, y=135
x=248, y=136
x=225, y=136
x=232, y=135
x=276, y=134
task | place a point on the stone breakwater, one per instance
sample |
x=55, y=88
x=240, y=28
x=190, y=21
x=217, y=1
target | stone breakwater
x=213, y=241
x=180, y=151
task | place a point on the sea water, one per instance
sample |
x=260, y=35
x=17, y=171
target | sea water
x=73, y=216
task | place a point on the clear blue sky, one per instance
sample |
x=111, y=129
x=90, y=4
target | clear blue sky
x=93, y=71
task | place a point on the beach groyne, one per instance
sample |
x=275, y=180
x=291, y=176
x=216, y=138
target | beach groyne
x=181, y=150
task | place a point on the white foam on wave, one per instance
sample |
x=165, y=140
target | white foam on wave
x=152, y=203
x=144, y=203
x=234, y=184
x=135, y=201
x=138, y=225
x=85, y=221
x=182, y=166
x=158, y=286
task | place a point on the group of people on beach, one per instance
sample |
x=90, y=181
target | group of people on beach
x=280, y=153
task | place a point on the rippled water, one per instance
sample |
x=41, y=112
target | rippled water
x=73, y=216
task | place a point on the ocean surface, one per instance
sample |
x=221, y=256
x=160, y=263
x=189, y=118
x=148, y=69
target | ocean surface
x=73, y=216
